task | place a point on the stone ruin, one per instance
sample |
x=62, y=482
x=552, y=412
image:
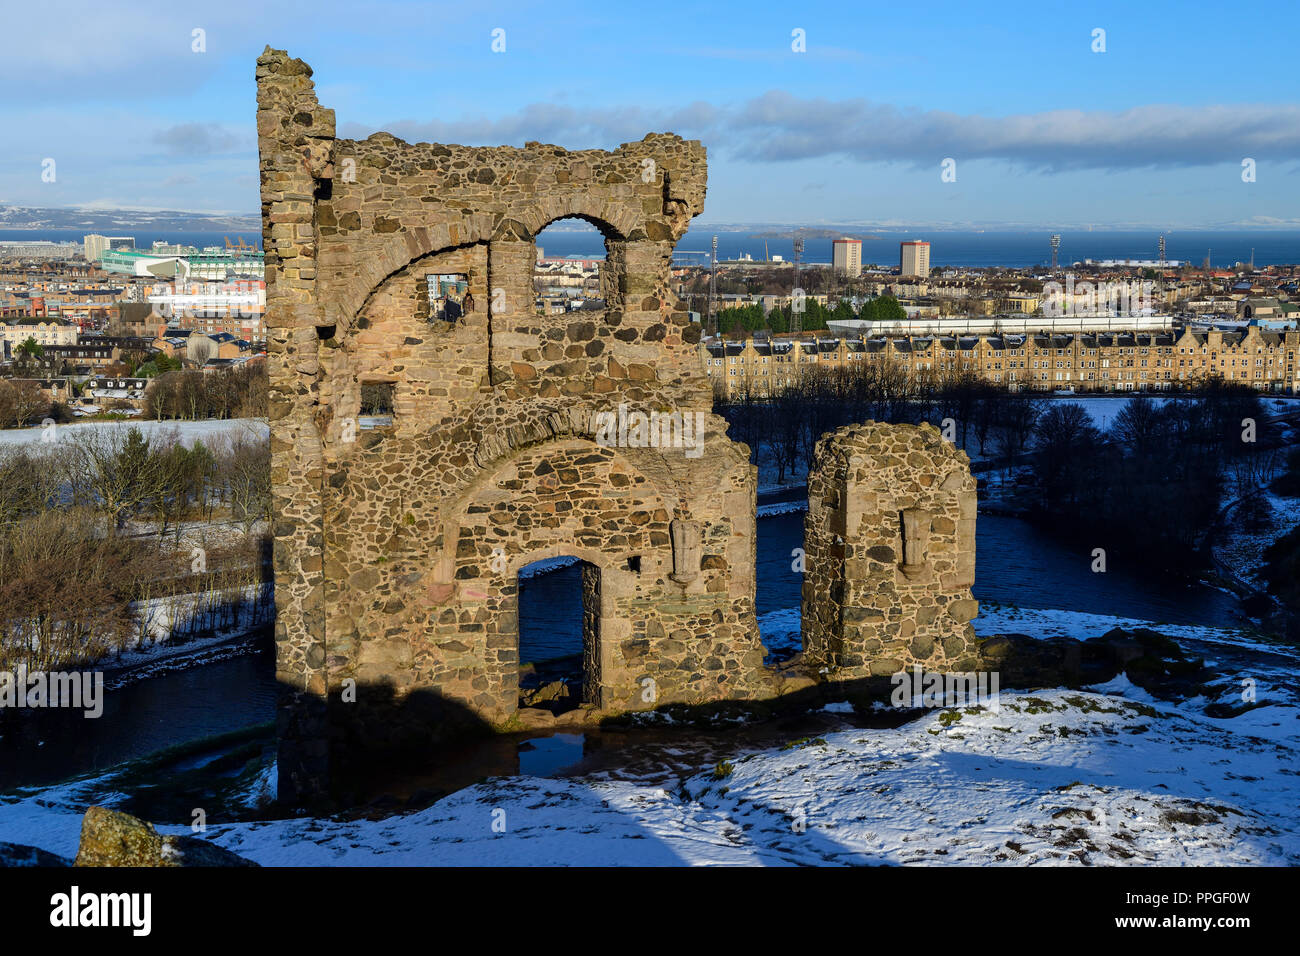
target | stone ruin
x=426, y=446
x=890, y=550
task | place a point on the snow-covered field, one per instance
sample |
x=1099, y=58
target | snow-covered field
x=1242, y=550
x=187, y=432
x=1104, y=776
x=1102, y=408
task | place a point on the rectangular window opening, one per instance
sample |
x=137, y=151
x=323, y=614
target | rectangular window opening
x=376, y=405
x=447, y=297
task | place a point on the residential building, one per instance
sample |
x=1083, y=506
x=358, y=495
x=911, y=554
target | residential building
x=202, y=348
x=846, y=256
x=39, y=249
x=1042, y=361
x=18, y=331
x=914, y=258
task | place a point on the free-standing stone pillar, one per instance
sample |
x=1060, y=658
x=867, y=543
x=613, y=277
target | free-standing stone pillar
x=890, y=553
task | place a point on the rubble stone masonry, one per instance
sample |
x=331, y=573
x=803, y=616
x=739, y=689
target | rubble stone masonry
x=889, y=545
x=398, y=547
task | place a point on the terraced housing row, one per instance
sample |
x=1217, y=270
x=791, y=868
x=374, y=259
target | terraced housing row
x=1082, y=361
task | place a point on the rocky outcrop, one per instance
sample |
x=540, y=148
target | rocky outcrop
x=110, y=838
x=1151, y=660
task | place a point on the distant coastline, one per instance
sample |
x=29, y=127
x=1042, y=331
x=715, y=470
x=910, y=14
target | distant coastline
x=976, y=248
x=41, y=219
x=816, y=234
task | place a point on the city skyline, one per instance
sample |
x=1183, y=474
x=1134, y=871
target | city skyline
x=854, y=130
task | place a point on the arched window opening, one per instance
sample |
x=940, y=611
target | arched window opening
x=571, y=257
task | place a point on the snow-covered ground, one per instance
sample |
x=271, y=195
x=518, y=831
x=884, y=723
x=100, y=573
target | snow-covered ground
x=780, y=631
x=781, y=508
x=163, y=622
x=187, y=432
x=1055, y=777
x=1104, y=776
x=177, y=631
x=1242, y=549
x=159, y=619
x=767, y=471
x=1044, y=622
x=546, y=565
x=1102, y=408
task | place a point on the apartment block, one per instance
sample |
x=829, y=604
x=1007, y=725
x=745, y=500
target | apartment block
x=914, y=258
x=846, y=256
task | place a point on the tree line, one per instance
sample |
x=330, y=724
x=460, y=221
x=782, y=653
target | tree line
x=1149, y=487
x=237, y=392
x=782, y=429
x=189, y=395
x=107, y=538
x=739, y=322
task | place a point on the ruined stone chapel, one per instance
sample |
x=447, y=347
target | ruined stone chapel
x=432, y=434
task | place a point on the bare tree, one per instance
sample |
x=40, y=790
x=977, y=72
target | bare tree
x=245, y=472
x=29, y=403
x=65, y=594
x=114, y=471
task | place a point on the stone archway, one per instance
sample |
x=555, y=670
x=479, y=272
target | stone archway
x=565, y=496
x=384, y=581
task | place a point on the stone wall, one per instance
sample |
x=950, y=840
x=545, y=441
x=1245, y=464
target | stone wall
x=890, y=553
x=295, y=140
x=398, y=547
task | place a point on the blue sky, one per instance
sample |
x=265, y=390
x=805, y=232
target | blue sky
x=1044, y=131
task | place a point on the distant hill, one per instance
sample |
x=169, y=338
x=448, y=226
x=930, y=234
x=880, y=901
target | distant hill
x=116, y=220
x=814, y=234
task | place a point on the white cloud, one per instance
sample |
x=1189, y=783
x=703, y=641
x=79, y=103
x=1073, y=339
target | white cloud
x=199, y=139
x=779, y=127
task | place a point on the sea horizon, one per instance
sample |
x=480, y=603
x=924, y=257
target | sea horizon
x=1015, y=249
